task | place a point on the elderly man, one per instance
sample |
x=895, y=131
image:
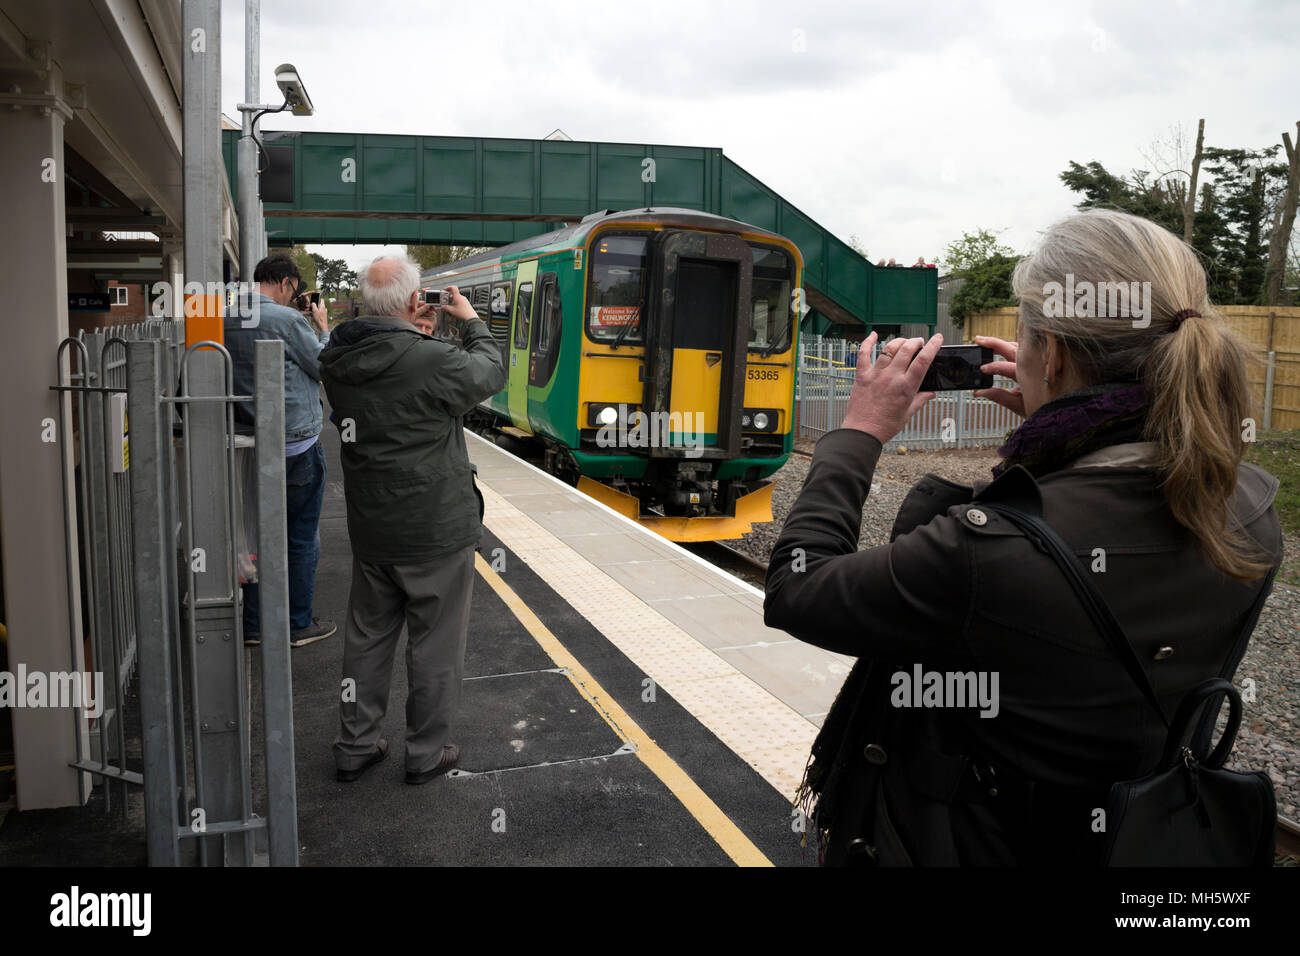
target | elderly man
x=413, y=511
x=278, y=281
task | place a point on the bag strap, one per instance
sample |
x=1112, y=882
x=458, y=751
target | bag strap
x=1046, y=538
x=1189, y=708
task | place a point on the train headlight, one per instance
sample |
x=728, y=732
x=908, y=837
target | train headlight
x=760, y=419
x=610, y=414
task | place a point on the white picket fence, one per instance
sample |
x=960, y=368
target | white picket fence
x=949, y=420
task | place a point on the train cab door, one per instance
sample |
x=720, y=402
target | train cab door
x=696, y=347
x=547, y=326
x=520, y=342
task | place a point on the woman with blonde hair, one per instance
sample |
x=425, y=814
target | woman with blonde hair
x=1135, y=396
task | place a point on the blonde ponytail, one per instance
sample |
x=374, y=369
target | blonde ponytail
x=1194, y=367
x=1200, y=400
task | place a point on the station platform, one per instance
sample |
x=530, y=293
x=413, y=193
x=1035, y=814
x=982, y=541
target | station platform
x=623, y=705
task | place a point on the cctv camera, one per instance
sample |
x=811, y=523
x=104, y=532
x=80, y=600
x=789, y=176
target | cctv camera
x=295, y=94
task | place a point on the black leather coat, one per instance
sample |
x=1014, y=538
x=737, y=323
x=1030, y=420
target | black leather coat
x=959, y=590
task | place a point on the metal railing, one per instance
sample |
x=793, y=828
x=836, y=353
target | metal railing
x=153, y=423
x=186, y=559
x=94, y=376
x=949, y=420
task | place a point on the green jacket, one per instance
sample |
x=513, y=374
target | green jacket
x=397, y=398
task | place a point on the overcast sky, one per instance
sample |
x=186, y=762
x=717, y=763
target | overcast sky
x=904, y=124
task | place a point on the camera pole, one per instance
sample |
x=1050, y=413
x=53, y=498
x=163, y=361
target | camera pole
x=252, y=229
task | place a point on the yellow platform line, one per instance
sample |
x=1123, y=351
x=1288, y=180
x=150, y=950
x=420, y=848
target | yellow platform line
x=716, y=823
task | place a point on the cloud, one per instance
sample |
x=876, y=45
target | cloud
x=905, y=124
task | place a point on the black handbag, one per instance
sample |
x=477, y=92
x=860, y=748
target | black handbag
x=1189, y=811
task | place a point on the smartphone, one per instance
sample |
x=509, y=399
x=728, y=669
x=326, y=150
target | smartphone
x=306, y=299
x=438, y=297
x=957, y=368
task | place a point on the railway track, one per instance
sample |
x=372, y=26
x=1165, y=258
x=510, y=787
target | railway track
x=1287, y=842
x=730, y=560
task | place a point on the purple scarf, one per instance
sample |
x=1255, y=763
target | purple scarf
x=1075, y=424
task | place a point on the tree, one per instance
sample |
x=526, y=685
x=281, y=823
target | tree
x=1292, y=279
x=1283, y=222
x=856, y=245
x=972, y=249
x=1189, y=200
x=987, y=286
x=985, y=266
x=1247, y=207
x=1168, y=159
x=1139, y=194
x=306, y=264
x=429, y=257
x=1241, y=202
x=333, y=275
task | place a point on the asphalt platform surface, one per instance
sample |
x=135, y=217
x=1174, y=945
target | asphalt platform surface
x=546, y=780
x=549, y=781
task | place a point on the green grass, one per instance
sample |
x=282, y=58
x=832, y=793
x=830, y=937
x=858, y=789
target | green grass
x=1278, y=453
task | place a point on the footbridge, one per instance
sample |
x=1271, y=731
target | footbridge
x=375, y=188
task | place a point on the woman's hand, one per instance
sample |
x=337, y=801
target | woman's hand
x=1007, y=398
x=885, y=395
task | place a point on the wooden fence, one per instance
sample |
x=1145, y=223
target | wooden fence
x=1274, y=332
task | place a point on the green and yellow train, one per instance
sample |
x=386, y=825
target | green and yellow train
x=651, y=355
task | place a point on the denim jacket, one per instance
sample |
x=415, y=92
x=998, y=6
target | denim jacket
x=302, y=347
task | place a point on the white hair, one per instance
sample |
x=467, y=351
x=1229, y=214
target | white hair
x=386, y=289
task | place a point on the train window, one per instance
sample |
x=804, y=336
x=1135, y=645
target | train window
x=499, y=310
x=550, y=317
x=480, y=300
x=523, y=314
x=771, y=306
x=617, y=295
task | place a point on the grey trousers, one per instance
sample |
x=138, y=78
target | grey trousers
x=432, y=600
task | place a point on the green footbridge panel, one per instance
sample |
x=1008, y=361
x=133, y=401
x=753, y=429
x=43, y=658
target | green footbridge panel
x=376, y=188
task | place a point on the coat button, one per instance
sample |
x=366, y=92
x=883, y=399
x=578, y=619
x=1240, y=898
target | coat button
x=860, y=845
x=977, y=517
x=1164, y=652
x=875, y=754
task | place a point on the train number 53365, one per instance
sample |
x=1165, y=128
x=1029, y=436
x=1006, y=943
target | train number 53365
x=762, y=375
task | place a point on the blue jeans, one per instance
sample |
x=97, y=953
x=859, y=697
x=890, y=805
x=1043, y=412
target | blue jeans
x=304, y=490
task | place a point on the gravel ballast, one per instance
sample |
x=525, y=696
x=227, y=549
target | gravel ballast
x=1269, y=738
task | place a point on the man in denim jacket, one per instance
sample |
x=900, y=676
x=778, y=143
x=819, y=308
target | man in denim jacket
x=269, y=316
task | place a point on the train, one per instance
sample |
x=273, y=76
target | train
x=651, y=357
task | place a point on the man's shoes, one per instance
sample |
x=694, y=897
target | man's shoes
x=318, y=630
x=450, y=756
x=381, y=751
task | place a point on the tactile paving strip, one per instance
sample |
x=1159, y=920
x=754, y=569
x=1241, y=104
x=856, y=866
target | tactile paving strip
x=762, y=730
